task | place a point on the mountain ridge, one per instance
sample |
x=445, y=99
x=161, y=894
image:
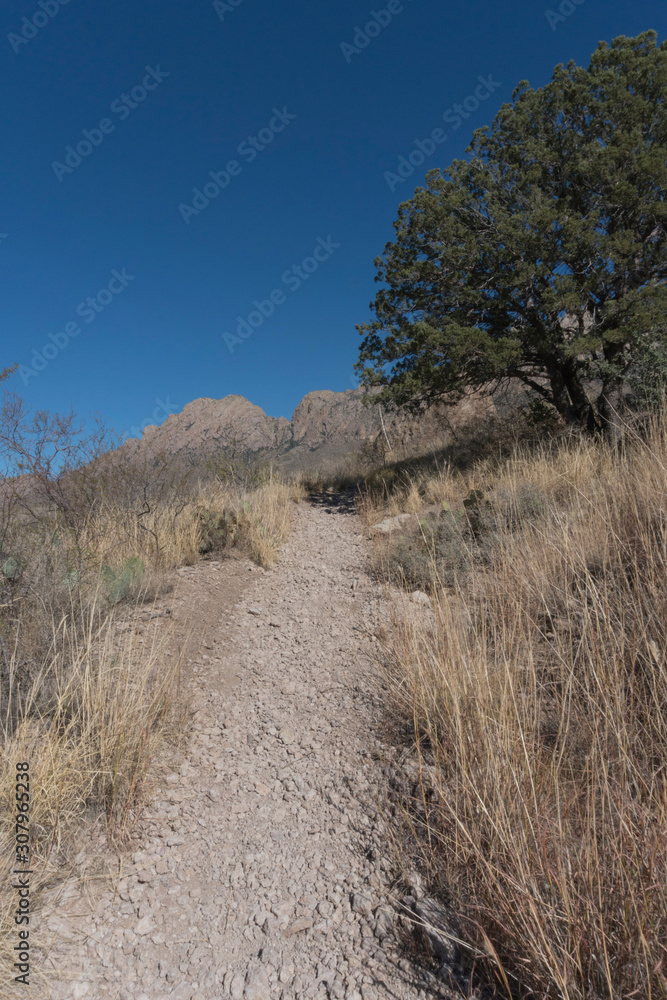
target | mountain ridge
x=324, y=425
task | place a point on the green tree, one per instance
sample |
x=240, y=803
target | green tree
x=541, y=257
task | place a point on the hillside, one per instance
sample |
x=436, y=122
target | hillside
x=325, y=426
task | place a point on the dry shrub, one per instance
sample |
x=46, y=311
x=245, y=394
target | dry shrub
x=98, y=715
x=258, y=520
x=540, y=704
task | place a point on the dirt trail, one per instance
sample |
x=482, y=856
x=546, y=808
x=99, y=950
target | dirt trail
x=262, y=871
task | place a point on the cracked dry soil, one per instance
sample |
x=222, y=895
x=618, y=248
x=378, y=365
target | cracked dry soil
x=261, y=867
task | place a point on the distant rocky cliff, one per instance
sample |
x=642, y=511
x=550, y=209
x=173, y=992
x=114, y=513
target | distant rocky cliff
x=324, y=425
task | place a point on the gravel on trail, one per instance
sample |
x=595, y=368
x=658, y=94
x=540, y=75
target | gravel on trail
x=261, y=867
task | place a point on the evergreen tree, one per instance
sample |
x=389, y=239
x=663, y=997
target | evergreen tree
x=542, y=257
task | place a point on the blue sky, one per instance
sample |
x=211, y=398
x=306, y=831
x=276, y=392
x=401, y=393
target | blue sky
x=169, y=93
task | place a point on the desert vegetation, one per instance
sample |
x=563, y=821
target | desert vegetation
x=535, y=684
x=540, y=257
x=527, y=665
x=536, y=690
x=86, y=539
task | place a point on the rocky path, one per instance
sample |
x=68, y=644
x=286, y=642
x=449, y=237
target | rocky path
x=262, y=871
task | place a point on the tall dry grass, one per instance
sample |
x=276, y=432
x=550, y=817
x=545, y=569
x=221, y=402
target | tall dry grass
x=213, y=516
x=259, y=518
x=539, y=701
x=99, y=714
x=93, y=710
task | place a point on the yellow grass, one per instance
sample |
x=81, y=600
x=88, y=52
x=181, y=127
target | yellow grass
x=170, y=533
x=91, y=726
x=98, y=711
x=262, y=516
x=539, y=699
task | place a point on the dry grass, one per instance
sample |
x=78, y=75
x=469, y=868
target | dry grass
x=91, y=710
x=539, y=700
x=96, y=719
x=260, y=518
x=212, y=516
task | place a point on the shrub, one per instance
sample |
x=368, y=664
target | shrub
x=118, y=583
x=216, y=530
x=84, y=531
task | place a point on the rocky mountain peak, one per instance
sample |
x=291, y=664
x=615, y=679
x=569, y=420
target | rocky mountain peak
x=324, y=425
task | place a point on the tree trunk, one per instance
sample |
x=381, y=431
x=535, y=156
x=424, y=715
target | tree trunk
x=611, y=401
x=569, y=396
x=581, y=404
x=559, y=394
x=611, y=407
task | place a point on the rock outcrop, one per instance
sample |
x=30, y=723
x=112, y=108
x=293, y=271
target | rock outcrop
x=324, y=426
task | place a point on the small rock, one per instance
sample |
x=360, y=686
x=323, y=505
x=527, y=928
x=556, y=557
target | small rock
x=281, y=910
x=184, y=991
x=391, y=524
x=145, y=925
x=257, y=985
x=384, y=922
x=361, y=904
x=419, y=597
x=236, y=986
x=303, y=924
x=433, y=918
x=255, y=611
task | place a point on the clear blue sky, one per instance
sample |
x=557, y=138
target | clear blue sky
x=185, y=278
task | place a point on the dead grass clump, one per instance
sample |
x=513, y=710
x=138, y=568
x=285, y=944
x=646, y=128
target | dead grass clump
x=449, y=542
x=99, y=715
x=540, y=706
x=257, y=520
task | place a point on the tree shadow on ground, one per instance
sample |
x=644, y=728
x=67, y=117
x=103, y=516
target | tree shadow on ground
x=336, y=502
